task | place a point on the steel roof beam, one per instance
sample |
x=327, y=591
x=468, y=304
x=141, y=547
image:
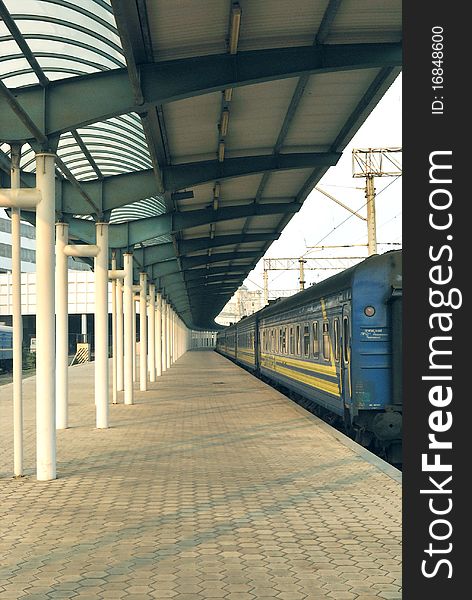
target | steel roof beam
x=126, y=235
x=195, y=244
x=212, y=272
x=159, y=252
x=168, y=267
x=116, y=191
x=186, y=175
x=202, y=286
x=229, y=282
x=87, y=154
x=178, y=79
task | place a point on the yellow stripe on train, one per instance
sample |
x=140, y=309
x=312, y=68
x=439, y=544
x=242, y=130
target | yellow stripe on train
x=320, y=384
x=303, y=364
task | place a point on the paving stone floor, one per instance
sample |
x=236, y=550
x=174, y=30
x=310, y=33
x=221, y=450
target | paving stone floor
x=213, y=485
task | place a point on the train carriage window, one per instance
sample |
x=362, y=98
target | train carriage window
x=297, y=340
x=291, y=349
x=306, y=339
x=277, y=340
x=316, y=341
x=336, y=340
x=284, y=340
x=346, y=339
x=326, y=344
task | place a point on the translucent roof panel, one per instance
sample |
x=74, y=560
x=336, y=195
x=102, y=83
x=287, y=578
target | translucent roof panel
x=66, y=39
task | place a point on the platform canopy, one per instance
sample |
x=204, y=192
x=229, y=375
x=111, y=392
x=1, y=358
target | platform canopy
x=196, y=127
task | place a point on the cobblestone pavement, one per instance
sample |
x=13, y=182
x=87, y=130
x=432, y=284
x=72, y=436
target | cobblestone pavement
x=213, y=485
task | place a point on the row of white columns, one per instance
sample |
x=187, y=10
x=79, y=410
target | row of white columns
x=163, y=336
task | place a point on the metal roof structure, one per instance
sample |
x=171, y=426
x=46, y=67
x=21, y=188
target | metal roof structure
x=196, y=127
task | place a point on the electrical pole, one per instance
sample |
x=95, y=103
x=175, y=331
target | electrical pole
x=266, y=285
x=370, y=163
x=302, y=262
x=371, y=227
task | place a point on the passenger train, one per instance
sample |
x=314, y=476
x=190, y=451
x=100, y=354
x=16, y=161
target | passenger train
x=6, y=348
x=337, y=347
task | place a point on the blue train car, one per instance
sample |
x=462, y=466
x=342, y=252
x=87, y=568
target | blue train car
x=6, y=348
x=246, y=342
x=338, y=346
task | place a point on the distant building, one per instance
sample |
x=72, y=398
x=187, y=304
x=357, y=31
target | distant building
x=244, y=302
x=80, y=286
x=28, y=248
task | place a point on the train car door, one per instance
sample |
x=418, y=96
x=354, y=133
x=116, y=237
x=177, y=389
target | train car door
x=346, y=385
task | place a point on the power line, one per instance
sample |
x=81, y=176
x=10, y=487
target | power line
x=340, y=224
x=350, y=216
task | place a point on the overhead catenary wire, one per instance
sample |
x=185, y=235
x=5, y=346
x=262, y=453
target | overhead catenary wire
x=339, y=225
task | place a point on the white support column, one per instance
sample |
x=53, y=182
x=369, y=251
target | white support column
x=101, y=326
x=152, y=332
x=143, y=332
x=168, y=310
x=83, y=327
x=172, y=337
x=119, y=335
x=175, y=326
x=128, y=327
x=172, y=327
x=134, y=340
x=164, y=336
x=17, y=321
x=62, y=327
x=158, y=335
x=177, y=337
x=114, y=327
x=45, y=330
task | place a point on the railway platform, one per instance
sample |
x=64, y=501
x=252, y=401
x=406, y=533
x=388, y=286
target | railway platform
x=212, y=485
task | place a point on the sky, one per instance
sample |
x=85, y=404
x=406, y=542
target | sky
x=319, y=222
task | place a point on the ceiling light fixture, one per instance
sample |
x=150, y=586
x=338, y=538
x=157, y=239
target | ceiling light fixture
x=224, y=122
x=221, y=151
x=234, y=29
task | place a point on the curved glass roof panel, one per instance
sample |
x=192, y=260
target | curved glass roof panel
x=65, y=39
